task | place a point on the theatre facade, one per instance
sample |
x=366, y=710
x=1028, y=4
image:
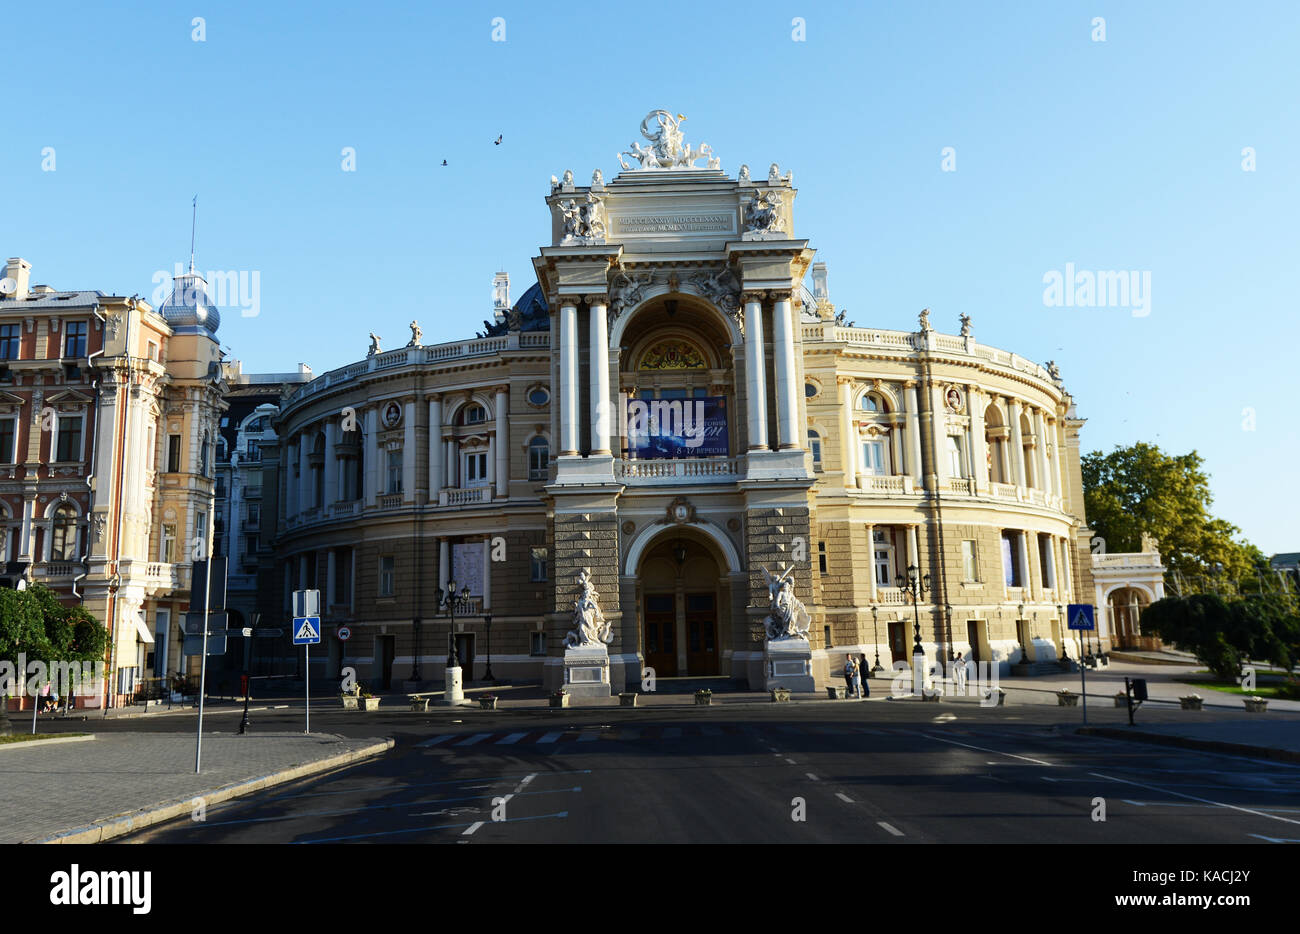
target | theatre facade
x=674, y=406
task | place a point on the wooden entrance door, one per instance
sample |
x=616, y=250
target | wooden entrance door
x=701, y=634
x=660, y=634
x=973, y=637
x=898, y=642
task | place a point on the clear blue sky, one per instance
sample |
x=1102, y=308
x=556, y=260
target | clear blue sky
x=1122, y=155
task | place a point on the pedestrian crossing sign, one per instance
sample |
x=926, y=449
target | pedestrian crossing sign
x=306, y=630
x=1079, y=616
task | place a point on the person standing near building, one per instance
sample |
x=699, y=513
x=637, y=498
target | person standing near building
x=864, y=672
x=851, y=674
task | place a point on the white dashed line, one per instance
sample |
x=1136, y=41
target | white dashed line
x=997, y=752
x=843, y=797
x=791, y=761
x=812, y=777
x=471, y=828
x=891, y=828
x=1285, y=820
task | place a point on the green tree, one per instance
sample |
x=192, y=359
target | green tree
x=1140, y=488
x=1197, y=624
x=35, y=626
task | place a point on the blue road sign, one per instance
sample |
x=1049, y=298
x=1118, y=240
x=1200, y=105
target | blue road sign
x=306, y=630
x=1079, y=616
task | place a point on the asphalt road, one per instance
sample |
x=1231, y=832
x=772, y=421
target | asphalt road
x=874, y=772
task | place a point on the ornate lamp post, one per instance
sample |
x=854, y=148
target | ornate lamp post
x=1060, y=615
x=875, y=634
x=447, y=600
x=915, y=584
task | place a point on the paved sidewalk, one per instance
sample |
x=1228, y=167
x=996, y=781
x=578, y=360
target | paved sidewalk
x=1277, y=739
x=124, y=781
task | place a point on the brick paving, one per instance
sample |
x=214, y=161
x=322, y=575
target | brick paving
x=44, y=791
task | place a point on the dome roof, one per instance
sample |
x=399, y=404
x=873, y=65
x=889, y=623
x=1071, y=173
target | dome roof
x=529, y=314
x=188, y=309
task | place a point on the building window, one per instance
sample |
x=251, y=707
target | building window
x=386, y=574
x=871, y=403
x=153, y=350
x=539, y=458
x=537, y=643
x=167, y=553
x=1045, y=560
x=882, y=554
x=476, y=469
x=251, y=544
x=1011, y=559
x=254, y=515
x=10, y=338
x=539, y=396
x=969, y=568
x=815, y=443
x=475, y=414
x=173, y=453
x=874, y=460
x=74, y=340
x=538, y=564
x=394, y=472
x=956, y=458
x=809, y=390
x=821, y=557
x=252, y=451
x=203, y=456
x=8, y=435
x=63, y=534
x=68, y=446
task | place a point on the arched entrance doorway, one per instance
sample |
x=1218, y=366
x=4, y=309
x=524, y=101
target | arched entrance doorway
x=681, y=597
x=1126, y=605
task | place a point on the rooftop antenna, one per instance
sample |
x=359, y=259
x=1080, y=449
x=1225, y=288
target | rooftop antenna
x=194, y=218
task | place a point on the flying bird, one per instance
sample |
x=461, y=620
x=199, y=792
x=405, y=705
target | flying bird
x=444, y=161
x=498, y=141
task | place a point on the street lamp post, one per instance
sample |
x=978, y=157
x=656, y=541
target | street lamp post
x=447, y=601
x=875, y=634
x=915, y=584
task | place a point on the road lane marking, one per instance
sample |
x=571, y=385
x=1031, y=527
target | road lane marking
x=1179, y=794
x=1260, y=836
x=843, y=797
x=476, y=738
x=388, y=833
x=791, y=761
x=812, y=777
x=996, y=752
x=471, y=828
x=588, y=737
x=891, y=828
x=551, y=737
x=437, y=739
x=511, y=739
x=530, y=776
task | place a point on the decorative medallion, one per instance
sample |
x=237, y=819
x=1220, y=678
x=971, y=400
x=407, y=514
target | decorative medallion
x=733, y=524
x=681, y=511
x=392, y=416
x=953, y=398
x=629, y=527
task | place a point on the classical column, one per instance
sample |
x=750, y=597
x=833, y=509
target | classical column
x=1053, y=582
x=453, y=468
x=1052, y=430
x=328, y=469
x=25, y=548
x=755, y=377
x=939, y=429
x=444, y=562
x=290, y=488
x=848, y=434
x=487, y=574
x=913, y=551
x=871, y=559
x=787, y=400
x=1017, y=442
x=598, y=340
x=1040, y=449
x=409, y=455
x=306, y=495
x=914, y=436
x=503, y=443
x=568, y=377
x=1064, y=546
x=979, y=449
x=1026, y=579
x=492, y=462
x=437, y=460
x=331, y=578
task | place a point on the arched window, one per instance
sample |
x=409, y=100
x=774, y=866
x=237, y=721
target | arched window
x=871, y=402
x=539, y=458
x=815, y=443
x=63, y=534
x=474, y=414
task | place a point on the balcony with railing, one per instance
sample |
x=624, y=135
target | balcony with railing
x=678, y=470
x=471, y=496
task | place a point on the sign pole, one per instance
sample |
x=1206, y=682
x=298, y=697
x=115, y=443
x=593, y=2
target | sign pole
x=203, y=663
x=1083, y=689
x=306, y=681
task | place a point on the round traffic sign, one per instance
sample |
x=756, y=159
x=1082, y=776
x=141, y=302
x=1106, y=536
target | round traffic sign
x=344, y=633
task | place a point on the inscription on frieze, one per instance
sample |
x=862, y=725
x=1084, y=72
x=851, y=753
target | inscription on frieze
x=675, y=223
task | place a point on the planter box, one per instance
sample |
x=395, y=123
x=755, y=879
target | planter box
x=703, y=700
x=559, y=700
x=1121, y=700
x=1255, y=704
x=1192, y=702
x=837, y=691
x=487, y=703
x=419, y=703
x=627, y=699
x=349, y=701
x=368, y=703
x=1066, y=699
x=780, y=695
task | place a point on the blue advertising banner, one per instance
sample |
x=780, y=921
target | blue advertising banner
x=672, y=428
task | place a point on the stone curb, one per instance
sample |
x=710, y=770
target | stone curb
x=100, y=831
x=1186, y=742
x=28, y=744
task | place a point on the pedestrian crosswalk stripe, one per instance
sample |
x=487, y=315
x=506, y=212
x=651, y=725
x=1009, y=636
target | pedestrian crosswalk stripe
x=552, y=736
x=438, y=739
x=512, y=738
x=476, y=738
